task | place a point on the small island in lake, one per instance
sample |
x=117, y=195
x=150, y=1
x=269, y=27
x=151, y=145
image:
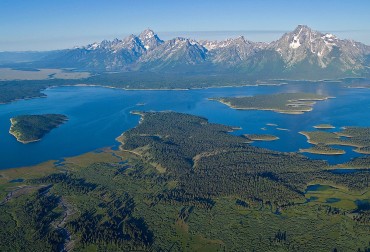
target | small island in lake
x=31, y=128
x=261, y=137
x=287, y=103
x=324, y=126
x=271, y=124
x=283, y=129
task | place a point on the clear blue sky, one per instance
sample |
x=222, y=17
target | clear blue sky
x=56, y=24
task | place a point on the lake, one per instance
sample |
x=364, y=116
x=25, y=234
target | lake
x=98, y=115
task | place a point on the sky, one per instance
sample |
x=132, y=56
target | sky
x=58, y=24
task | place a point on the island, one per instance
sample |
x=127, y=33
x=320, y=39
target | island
x=287, y=103
x=358, y=137
x=324, y=126
x=359, y=86
x=261, y=137
x=283, y=129
x=32, y=128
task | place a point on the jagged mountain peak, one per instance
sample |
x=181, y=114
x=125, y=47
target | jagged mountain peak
x=231, y=52
x=212, y=45
x=89, y=47
x=132, y=42
x=304, y=30
x=240, y=39
x=181, y=42
x=302, y=35
x=176, y=52
x=302, y=48
x=302, y=27
x=304, y=44
x=147, y=34
x=179, y=39
x=97, y=45
x=131, y=38
x=149, y=39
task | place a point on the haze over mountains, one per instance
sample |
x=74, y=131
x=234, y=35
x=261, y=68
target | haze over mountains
x=302, y=53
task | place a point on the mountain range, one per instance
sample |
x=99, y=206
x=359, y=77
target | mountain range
x=302, y=53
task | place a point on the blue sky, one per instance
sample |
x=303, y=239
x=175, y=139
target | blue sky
x=56, y=24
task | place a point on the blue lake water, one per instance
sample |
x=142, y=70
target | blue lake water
x=362, y=205
x=18, y=180
x=98, y=115
x=317, y=187
x=332, y=200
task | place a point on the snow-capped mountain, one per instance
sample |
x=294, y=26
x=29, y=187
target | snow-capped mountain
x=173, y=53
x=302, y=53
x=149, y=40
x=231, y=51
x=115, y=55
x=304, y=44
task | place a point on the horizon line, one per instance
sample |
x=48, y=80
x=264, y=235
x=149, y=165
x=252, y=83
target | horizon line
x=166, y=33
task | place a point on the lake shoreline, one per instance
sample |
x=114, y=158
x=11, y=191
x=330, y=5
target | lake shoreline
x=99, y=114
x=17, y=134
x=310, y=102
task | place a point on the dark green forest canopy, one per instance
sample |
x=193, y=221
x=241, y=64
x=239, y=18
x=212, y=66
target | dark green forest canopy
x=207, y=161
x=29, y=128
x=183, y=184
x=96, y=202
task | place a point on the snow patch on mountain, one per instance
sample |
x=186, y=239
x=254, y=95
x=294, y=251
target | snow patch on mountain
x=295, y=43
x=148, y=51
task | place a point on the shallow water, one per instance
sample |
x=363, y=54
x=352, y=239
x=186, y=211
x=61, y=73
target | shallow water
x=362, y=205
x=332, y=200
x=317, y=187
x=98, y=115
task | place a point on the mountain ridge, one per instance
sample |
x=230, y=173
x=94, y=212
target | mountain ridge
x=298, y=54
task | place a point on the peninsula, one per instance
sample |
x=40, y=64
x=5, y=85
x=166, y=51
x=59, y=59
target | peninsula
x=358, y=137
x=31, y=128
